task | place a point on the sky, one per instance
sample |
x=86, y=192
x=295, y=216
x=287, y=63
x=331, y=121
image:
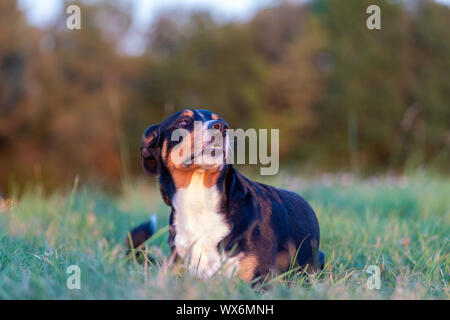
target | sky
x=42, y=12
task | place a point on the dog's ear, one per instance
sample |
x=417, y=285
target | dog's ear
x=150, y=150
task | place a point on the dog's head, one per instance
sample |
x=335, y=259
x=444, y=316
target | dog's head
x=185, y=141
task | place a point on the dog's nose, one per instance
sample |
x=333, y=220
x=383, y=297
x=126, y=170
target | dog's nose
x=218, y=125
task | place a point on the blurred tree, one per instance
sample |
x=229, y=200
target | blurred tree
x=15, y=113
x=430, y=135
x=295, y=85
x=344, y=97
x=69, y=126
x=365, y=92
x=207, y=66
x=275, y=27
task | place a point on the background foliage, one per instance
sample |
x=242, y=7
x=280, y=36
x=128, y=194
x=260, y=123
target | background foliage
x=344, y=97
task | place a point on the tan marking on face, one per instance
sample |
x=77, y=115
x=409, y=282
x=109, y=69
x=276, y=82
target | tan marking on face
x=247, y=268
x=164, y=155
x=181, y=176
x=214, y=116
x=187, y=112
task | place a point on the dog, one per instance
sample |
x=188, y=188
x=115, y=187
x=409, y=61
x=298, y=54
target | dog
x=220, y=220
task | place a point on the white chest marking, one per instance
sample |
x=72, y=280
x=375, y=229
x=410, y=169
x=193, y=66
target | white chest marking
x=199, y=227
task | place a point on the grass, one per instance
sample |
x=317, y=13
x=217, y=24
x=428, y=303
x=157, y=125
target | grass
x=401, y=225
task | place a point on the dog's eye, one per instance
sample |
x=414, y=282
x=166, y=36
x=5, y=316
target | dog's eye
x=183, y=122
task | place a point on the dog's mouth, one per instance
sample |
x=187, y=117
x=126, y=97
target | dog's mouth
x=212, y=150
x=207, y=151
x=210, y=153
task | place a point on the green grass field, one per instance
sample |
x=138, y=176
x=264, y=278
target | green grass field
x=401, y=225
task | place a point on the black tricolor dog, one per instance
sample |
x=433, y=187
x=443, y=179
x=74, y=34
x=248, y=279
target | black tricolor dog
x=221, y=220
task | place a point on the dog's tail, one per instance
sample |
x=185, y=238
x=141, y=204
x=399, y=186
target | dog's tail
x=138, y=235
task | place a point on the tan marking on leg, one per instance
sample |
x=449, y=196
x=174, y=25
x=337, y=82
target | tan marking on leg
x=283, y=261
x=247, y=268
x=285, y=256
